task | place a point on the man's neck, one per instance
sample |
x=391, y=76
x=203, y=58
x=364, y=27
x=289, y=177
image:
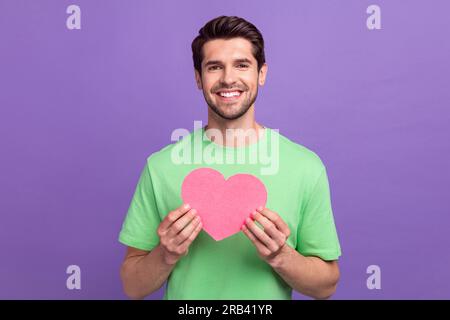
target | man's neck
x=235, y=133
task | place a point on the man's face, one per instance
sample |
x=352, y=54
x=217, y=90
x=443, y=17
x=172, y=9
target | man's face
x=229, y=78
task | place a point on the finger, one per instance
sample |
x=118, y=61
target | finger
x=270, y=228
x=258, y=244
x=261, y=235
x=173, y=216
x=276, y=219
x=185, y=245
x=181, y=223
x=186, y=232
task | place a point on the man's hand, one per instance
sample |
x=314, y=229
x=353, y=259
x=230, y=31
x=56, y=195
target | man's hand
x=177, y=231
x=311, y=276
x=271, y=240
x=144, y=272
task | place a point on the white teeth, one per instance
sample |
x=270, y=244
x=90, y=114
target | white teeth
x=230, y=94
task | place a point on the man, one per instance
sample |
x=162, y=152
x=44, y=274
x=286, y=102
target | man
x=289, y=244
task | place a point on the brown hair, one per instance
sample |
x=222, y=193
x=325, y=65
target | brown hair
x=225, y=27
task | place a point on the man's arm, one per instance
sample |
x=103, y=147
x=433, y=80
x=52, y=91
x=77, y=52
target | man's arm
x=144, y=272
x=311, y=276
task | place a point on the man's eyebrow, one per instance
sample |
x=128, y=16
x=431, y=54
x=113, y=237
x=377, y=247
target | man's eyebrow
x=211, y=62
x=215, y=62
x=243, y=60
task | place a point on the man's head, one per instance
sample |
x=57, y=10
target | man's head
x=229, y=65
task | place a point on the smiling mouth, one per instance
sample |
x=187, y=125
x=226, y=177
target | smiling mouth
x=229, y=95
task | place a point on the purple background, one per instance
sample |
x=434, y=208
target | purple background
x=82, y=109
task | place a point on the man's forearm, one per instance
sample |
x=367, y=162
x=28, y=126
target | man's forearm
x=308, y=275
x=142, y=275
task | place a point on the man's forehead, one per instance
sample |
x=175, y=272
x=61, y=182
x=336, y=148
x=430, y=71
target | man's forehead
x=227, y=49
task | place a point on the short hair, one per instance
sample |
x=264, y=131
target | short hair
x=227, y=27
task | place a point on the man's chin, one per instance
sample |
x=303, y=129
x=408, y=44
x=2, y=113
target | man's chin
x=229, y=111
x=230, y=116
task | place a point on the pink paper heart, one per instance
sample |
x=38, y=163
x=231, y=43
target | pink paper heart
x=223, y=205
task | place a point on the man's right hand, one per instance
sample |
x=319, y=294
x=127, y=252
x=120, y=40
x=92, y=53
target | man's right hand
x=177, y=231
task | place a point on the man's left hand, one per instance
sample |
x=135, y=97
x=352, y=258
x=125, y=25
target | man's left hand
x=270, y=240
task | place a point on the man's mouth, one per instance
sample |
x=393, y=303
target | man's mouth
x=229, y=95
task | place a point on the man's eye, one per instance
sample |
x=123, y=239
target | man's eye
x=214, y=68
x=242, y=66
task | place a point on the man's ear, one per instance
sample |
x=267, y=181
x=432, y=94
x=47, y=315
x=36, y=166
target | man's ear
x=198, y=79
x=262, y=74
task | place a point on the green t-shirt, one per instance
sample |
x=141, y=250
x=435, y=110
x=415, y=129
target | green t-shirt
x=297, y=189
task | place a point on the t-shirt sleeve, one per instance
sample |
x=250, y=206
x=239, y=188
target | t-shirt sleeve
x=139, y=230
x=317, y=235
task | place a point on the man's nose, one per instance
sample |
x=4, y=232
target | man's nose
x=228, y=76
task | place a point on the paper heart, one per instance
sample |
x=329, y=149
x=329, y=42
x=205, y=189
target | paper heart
x=223, y=205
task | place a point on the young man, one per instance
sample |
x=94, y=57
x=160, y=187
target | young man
x=290, y=244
